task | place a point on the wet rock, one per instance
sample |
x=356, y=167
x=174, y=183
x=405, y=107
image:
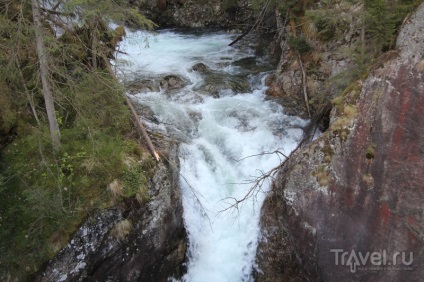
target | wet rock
x=359, y=187
x=200, y=67
x=216, y=82
x=156, y=84
x=144, y=85
x=172, y=82
x=152, y=248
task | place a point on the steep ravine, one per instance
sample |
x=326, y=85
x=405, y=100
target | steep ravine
x=359, y=187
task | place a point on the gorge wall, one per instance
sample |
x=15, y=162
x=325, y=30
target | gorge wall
x=359, y=186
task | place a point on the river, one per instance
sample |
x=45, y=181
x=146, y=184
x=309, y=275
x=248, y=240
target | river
x=227, y=132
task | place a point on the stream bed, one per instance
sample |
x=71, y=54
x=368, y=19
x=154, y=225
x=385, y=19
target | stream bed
x=210, y=97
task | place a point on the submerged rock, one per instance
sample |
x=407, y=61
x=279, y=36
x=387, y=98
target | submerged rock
x=130, y=242
x=359, y=187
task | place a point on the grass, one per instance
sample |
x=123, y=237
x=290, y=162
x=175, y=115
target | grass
x=121, y=229
x=45, y=196
x=322, y=175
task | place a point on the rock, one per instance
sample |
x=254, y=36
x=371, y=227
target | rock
x=152, y=248
x=200, y=67
x=293, y=105
x=357, y=188
x=169, y=82
x=172, y=82
x=216, y=82
x=143, y=85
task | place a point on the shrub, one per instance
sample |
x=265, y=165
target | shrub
x=299, y=44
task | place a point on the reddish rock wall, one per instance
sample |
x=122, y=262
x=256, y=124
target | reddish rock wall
x=360, y=186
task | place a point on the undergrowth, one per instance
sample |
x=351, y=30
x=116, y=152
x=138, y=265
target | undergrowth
x=45, y=196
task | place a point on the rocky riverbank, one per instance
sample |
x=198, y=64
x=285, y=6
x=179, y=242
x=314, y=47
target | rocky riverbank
x=132, y=241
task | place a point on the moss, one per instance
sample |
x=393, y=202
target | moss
x=328, y=152
x=133, y=180
x=322, y=175
x=368, y=180
x=370, y=152
x=337, y=100
x=121, y=229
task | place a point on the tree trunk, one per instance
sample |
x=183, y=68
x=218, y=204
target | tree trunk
x=47, y=92
x=93, y=32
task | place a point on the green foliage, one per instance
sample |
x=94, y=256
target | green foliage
x=299, y=43
x=44, y=196
x=383, y=19
x=380, y=24
x=47, y=195
x=117, y=11
x=328, y=22
x=370, y=152
x=134, y=180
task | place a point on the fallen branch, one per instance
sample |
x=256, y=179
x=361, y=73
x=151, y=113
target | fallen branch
x=141, y=129
x=259, y=181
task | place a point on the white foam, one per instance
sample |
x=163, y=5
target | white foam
x=219, y=136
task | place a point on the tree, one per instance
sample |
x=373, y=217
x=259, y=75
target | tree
x=44, y=74
x=379, y=24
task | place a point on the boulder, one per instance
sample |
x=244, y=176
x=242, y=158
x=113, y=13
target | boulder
x=200, y=67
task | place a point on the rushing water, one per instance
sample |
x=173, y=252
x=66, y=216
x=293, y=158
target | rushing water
x=222, y=141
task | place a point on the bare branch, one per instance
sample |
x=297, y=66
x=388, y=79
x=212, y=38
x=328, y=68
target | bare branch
x=257, y=22
x=259, y=181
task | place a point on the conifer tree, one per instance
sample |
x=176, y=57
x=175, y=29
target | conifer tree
x=379, y=24
x=44, y=75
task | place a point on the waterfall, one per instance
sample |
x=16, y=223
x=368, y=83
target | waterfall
x=227, y=140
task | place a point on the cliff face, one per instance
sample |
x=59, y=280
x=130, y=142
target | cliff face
x=130, y=242
x=360, y=186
